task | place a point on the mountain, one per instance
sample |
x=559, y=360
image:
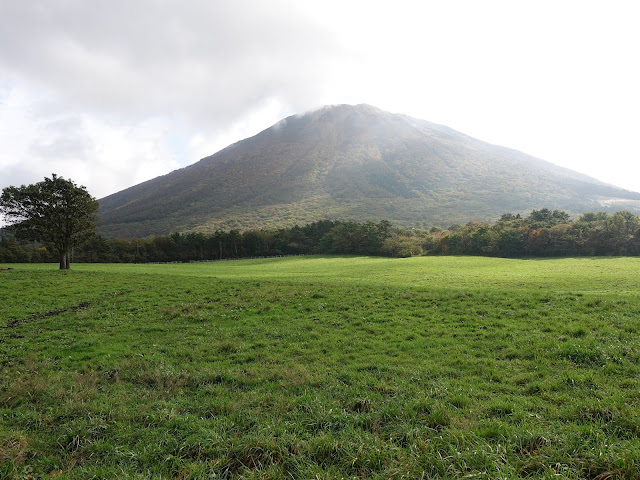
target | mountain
x=353, y=163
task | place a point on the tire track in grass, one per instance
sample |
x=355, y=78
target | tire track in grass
x=14, y=322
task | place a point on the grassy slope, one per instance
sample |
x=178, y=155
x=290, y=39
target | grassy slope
x=335, y=367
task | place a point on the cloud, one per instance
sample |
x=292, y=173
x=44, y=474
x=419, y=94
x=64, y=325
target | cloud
x=214, y=60
x=114, y=93
x=95, y=88
x=82, y=147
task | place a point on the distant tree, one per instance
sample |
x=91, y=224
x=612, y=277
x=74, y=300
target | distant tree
x=546, y=218
x=98, y=250
x=508, y=217
x=257, y=243
x=235, y=239
x=401, y=246
x=483, y=241
x=510, y=243
x=345, y=238
x=590, y=217
x=536, y=242
x=562, y=241
x=54, y=211
x=622, y=227
x=452, y=243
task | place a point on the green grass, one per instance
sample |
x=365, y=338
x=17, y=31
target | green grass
x=322, y=367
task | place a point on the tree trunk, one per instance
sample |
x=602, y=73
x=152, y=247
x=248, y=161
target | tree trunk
x=64, y=261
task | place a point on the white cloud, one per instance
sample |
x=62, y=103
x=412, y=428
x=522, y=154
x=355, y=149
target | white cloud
x=113, y=93
x=90, y=150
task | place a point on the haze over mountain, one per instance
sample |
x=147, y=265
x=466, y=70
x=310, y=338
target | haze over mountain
x=353, y=163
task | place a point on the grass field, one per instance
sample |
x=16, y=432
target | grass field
x=322, y=367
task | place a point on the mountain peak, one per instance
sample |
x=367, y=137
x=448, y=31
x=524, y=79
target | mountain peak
x=352, y=163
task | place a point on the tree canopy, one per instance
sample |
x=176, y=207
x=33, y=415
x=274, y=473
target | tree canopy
x=54, y=211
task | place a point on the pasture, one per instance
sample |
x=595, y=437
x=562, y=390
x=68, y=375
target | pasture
x=322, y=367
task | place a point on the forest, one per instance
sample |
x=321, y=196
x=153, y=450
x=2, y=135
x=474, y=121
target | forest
x=543, y=233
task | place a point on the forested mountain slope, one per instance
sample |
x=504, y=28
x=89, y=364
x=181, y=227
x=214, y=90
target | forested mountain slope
x=353, y=163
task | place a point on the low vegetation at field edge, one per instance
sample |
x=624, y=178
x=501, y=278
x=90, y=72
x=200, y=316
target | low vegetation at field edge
x=322, y=367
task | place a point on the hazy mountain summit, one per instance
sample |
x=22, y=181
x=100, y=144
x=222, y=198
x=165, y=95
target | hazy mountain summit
x=353, y=163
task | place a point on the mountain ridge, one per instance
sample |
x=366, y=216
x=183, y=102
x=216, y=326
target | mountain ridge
x=352, y=163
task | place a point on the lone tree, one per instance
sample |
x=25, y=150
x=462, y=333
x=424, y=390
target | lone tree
x=55, y=211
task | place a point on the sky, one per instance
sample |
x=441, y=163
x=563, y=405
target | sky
x=110, y=93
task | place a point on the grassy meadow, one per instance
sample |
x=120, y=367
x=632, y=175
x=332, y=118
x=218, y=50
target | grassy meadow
x=322, y=367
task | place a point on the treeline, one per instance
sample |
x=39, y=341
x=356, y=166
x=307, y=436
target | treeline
x=543, y=233
x=546, y=233
x=320, y=237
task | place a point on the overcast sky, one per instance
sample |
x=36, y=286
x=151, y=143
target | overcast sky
x=111, y=93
